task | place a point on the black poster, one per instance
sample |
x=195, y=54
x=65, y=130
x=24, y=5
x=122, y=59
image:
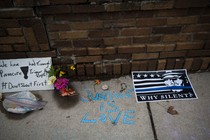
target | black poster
x=162, y=85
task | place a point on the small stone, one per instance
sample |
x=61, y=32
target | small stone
x=105, y=87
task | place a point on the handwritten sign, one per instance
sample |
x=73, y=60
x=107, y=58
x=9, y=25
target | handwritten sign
x=24, y=74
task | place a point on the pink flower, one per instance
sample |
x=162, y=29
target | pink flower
x=61, y=83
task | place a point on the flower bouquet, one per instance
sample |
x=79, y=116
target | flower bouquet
x=59, y=77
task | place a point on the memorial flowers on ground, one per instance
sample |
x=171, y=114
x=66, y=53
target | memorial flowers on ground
x=59, y=77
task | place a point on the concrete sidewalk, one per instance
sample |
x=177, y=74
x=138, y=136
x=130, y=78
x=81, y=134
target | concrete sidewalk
x=96, y=114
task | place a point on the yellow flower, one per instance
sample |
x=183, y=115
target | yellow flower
x=61, y=73
x=51, y=80
x=72, y=67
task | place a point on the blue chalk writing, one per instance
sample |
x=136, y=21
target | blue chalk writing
x=126, y=116
x=115, y=108
x=107, y=95
x=102, y=117
x=116, y=119
x=84, y=120
x=101, y=107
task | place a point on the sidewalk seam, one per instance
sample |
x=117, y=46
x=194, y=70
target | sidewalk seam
x=152, y=121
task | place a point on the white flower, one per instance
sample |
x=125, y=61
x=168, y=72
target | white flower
x=51, y=80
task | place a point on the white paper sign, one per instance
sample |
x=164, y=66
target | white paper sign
x=24, y=74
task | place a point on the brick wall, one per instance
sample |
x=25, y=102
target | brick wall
x=104, y=37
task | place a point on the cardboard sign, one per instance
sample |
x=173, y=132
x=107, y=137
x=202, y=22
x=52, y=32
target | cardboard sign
x=24, y=74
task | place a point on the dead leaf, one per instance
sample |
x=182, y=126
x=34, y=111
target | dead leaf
x=172, y=111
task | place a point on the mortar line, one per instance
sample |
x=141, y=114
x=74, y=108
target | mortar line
x=152, y=122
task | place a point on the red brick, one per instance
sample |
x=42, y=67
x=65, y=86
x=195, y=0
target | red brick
x=16, y=13
x=100, y=51
x=172, y=13
x=80, y=70
x=3, y=32
x=190, y=3
x=196, y=28
x=131, y=49
x=205, y=63
x=135, y=31
x=146, y=39
x=201, y=36
x=31, y=2
x=12, y=55
x=44, y=47
x=73, y=34
x=166, y=30
x=31, y=39
x=143, y=14
x=103, y=33
x=86, y=25
x=140, y=56
x=157, y=5
x=88, y=43
x=172, y=54
x=207, y=45
x=177, y=37
x=42, y=54
x=126, y=69
x=170, y=64
x=196, y=64
x=67, y=1
x=87, y=8
x=98, y=69
x=117, y=56
x=179, y=63
x=6, y=48
x=6, y=3
x=160, y=47
x=9, y=23
x=193, y=53
x=151, y=22
x=117, y=69
x=114, y=7
x=161, y=64
x=135, y=66
x=39, y=31
x=104, y=16
x=204, y=19
x=11, y=40
x=189, y=45
x=58, y=27
x=182, y=20
x=14, y=31
x=41, y=2
x=195, y=11
x=87, y=59
x=57, y=44
x=53, y=35
x=120, y=23
x=117, y=41
x=73, y=51
x=55, y=9
x=89, y=69
x=143, y=65
x=70, y=17
x=108, y=69
x=20, y=48
x=63, y=60
x=152, y=65
x=188, y=63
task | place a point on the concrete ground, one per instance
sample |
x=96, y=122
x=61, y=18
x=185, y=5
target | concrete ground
x=96, y=114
